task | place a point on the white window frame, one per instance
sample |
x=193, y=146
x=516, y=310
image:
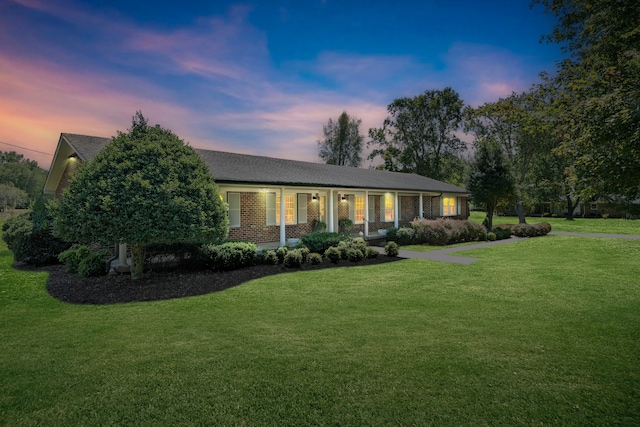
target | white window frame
x=383, y=208
x=234, y=202
x=453, y=209
x=300, y=208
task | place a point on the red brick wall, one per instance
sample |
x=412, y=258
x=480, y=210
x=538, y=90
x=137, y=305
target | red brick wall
x=253, y=220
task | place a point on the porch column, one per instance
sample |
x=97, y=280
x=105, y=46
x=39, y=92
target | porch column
x=395, y=209
x=366, y=213
x=283, y=229
x=421, y=206
x=331, y=210
x=122, y=254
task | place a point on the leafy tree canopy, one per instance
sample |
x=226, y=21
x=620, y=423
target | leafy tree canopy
x=22, y=173
x=490, y=179
x=420, y=133
x=145, y=187
x=599, y=92
x=342, y=144
x=517, y=124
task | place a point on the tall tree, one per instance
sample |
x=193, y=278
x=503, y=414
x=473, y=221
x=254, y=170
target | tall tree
x=22, y=173
x=600, y=92
x=489, y=180
x=517, y=125
x=342, y=144
x=144, y=187
x=419, y=134
x=11, y=196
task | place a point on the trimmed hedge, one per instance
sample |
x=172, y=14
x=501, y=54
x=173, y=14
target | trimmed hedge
x=444, y=231
x=531, y=230
x=319, y=242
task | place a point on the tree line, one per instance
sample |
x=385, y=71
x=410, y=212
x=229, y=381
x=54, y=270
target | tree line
x=574, y=136
x=21, y=181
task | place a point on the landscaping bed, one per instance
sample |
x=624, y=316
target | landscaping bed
x=164, y=285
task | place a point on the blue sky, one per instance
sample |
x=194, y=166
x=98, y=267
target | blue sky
x=258, y=77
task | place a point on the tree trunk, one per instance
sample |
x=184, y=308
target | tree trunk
x=137, y=261
x=520, y=213
x=488, y=222
x=571, y=207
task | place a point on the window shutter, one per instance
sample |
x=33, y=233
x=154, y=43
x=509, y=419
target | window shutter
x=372, y=209
x=399, y=213
x=382, y=205
x=233, y=199
x=302, y=208
x=458, y=207
x=271, y=209
x=352, y=207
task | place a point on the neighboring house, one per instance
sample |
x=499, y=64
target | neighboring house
x=272, y=200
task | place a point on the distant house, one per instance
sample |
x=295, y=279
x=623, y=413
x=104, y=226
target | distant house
x=272, y=200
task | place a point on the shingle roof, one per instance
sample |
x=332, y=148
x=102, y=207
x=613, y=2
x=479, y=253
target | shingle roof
x=243, y=168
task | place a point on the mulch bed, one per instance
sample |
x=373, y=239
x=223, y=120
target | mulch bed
x=164, y=285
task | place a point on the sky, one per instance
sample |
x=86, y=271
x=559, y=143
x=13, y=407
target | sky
x=255, y=77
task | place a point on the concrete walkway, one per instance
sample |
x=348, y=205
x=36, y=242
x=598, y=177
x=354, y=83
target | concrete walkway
x=443, y=254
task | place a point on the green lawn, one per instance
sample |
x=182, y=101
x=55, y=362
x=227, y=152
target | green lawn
x=579, y=225
x=541, y=332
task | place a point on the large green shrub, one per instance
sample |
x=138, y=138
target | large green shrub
x=320, y=242
x=30, y=239
x=146, y=186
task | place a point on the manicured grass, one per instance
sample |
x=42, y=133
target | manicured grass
x=539, y=332
x=578, y=225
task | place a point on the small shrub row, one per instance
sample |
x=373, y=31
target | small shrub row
x=352, y=250
x=229, y=255
x=531, y=230
x=84, y=261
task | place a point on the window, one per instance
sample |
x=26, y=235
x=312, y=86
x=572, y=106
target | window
x=449, y=207
x=233, y=199
x=289, y=209
x=594, y=206
x=387, y=208
x=358, y=214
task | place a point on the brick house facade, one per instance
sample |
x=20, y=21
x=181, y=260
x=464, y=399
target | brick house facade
x=272, y=200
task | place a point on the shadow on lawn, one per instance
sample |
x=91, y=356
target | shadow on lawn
x=165, y=285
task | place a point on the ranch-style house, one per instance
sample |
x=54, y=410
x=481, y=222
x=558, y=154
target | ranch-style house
x=273, y=200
